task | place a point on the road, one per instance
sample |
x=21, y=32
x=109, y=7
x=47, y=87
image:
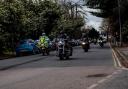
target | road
x=81, y=71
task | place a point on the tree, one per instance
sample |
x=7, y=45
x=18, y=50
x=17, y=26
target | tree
x=70, y=22
x=93, y=34
x=110, y=10
x=23, y=19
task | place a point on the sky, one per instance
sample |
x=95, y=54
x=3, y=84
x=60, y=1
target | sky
x=91, y=20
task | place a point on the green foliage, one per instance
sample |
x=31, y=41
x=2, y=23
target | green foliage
x=93, y=34
x=106, y=6
x=110, y=10
x=22, y=19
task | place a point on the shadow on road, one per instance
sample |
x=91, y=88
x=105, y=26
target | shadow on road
x=71, y=58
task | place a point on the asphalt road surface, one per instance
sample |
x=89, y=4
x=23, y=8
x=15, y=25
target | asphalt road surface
x=82, y=71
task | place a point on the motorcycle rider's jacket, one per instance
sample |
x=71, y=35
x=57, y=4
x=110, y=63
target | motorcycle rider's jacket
x=44, y=40
x=65, y=38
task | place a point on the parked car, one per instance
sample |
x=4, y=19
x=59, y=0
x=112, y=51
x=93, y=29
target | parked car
x=26, y=46
x=36, y=42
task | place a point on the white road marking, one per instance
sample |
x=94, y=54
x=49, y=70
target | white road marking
x=115, y=73
x=116, y=63
x=92, y=86
x=109, y=76
x=117, y=59
x=101, y=81
x=105, y=79
x=119, y=70
x=125, y=68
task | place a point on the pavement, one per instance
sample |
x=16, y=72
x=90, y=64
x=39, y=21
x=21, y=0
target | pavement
x=119, y=79
x=122, y=56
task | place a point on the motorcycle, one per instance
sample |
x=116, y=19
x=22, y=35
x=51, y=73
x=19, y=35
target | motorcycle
x=44, y=50
x=63, y=52
x=85, y=46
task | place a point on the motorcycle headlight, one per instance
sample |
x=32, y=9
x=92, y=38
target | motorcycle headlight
x=83, y=43
x=60, y=43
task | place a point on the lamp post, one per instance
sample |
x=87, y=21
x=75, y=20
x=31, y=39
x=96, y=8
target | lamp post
x=119, y=11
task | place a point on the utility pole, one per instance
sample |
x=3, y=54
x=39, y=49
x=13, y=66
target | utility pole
x=119, y=11
x=76, y=10
x=72, y=10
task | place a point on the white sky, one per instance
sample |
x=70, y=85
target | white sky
x=91, y=20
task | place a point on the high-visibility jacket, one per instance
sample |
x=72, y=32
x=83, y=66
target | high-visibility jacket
x=44, y=40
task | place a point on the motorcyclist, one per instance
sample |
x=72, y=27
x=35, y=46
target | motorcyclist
x=44, y=40
x=65, y=37
x=62, y=35
x=85, y=39
x=101, y=43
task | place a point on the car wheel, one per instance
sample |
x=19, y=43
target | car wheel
x=33, y=52
x=37, y=51
x=17, y=54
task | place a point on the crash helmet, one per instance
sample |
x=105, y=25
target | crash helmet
x=62, y=32
x=43, y=34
